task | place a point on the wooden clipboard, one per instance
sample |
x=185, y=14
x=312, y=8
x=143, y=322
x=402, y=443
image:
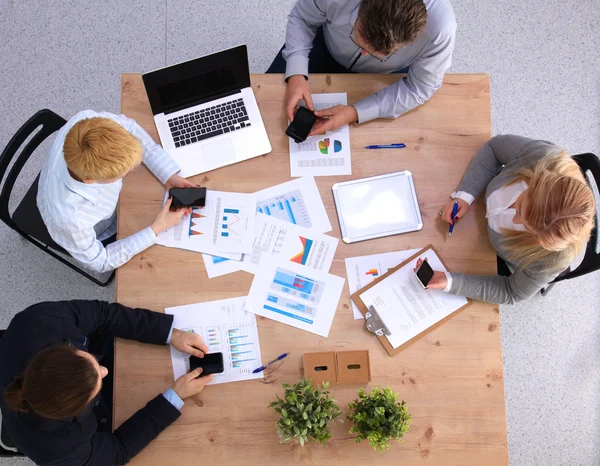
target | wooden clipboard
x=363, y=309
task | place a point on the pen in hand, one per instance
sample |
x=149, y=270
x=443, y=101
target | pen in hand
x=454, y=211
x=278, y=358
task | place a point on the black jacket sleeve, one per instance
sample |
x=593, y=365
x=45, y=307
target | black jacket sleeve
x=129, y=439
x=108, y=318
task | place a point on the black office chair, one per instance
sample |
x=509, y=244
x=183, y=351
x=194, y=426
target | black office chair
x=26, y=219
x=591, y=258
x=6, y=440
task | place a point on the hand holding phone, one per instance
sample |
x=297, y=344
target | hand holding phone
x=211, y=363
x=187, y=197
x=300, y=128
x=424, y=273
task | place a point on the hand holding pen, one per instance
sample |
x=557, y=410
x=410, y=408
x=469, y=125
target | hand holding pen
x=452, y=217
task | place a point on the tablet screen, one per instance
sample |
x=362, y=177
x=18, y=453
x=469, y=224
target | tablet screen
x=377, y=206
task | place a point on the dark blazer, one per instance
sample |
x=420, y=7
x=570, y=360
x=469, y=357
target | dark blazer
x=76, y=442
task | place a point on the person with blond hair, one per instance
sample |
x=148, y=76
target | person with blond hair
x=81, y=180
x=540, y=212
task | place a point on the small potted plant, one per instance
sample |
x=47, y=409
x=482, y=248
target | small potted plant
x=305, y=413
x=378, y=417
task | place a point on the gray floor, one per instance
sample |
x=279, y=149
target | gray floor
x=67, y=55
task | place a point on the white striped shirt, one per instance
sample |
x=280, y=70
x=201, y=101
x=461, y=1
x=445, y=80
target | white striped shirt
x=79, y=215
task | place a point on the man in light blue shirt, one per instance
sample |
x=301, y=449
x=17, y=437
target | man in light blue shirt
x=367, y=36
x=81, y=180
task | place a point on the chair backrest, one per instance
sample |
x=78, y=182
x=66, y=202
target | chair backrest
x=49, y=123
x=591, y=259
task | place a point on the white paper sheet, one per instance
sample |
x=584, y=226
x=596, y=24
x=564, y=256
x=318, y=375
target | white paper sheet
x=295, y=295
x=405, y=306
x=224, y=225
x=225, y=327
x=327, y=154
x=218, y=265
x=363, y=270
x=276, y=237
x=297, y=201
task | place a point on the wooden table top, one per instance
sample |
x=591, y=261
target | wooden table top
x=451, y=379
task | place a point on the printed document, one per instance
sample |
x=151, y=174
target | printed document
x=326, y=154
x=224, y=225
x=363, y=270
x=218, y=265
x=225, y=328
x=275, y=237
x=406, y=308
x=295, y=295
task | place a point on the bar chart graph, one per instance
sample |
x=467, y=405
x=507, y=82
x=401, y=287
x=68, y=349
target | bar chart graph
x=289, y=207
x=242, y=341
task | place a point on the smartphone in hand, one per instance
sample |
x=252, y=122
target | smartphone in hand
x=187, y=197
x=211, y=363
x=299, y=129
x=424, y=273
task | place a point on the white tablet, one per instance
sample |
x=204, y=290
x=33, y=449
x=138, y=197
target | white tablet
x=377, y=206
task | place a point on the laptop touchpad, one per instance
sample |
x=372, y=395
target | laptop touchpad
x=218, y=153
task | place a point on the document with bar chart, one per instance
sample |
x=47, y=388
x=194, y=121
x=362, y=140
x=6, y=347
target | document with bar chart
x=298, y=202
x=295, y=294
x=327, y=154
x=224, y=226
x=273, y=237
x=363, y=270
x=225, y=327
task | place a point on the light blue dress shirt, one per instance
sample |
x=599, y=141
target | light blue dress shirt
x=428, y=57
x=79, y=215
x=170, y=394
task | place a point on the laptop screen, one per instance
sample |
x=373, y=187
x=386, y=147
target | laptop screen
x=197, y=81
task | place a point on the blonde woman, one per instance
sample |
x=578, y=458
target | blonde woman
x=540, y=213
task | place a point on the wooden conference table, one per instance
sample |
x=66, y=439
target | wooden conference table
x=452, y=378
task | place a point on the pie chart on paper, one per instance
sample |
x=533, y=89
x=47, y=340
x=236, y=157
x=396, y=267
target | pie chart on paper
x=325, y=144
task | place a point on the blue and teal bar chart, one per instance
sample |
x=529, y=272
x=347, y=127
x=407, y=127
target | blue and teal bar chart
x=289, y=207
x=242, y=348
x=228, y=220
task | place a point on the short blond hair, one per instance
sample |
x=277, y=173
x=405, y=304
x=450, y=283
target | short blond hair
x=100, y=149
x=560, y=212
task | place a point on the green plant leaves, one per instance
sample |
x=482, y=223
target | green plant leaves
x=305, y=412
x=378, y=417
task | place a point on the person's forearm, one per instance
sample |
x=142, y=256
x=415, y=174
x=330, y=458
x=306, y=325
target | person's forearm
x=303, y=22
x=495, y=288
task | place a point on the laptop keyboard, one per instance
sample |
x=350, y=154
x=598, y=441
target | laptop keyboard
x=209, y=122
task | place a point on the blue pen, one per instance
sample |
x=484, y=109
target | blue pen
x=398, y=145
x=454, y=210
x=262, y=368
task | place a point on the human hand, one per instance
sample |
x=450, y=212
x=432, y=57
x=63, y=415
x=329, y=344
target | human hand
x=168, y=218
x=446, y=212
x=333, y=118
x=439, y=281
x=191, y=383
x=177, y=181
x=188, y=342
x=297, y=89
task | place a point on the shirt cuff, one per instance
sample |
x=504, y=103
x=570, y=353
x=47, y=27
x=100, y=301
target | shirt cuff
x=449, y=279
x=367, y=109
x=296, y=64
x=170, y=334
x=173, y=398
x=166, y=172
x=468, y=198
x=146, y=238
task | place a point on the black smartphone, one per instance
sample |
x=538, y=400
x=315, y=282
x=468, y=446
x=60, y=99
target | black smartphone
x=304, y=120
x=187, y=197
x=211, y=363
x=425, y=273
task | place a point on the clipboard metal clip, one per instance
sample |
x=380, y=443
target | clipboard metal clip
x=375, y=324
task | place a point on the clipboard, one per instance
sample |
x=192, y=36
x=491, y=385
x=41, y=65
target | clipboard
x=374, y=317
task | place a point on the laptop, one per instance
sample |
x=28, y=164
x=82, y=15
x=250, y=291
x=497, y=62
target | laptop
x=206, y=113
